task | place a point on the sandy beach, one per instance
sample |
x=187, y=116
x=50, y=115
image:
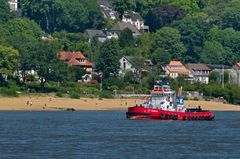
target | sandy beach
x=54, y=104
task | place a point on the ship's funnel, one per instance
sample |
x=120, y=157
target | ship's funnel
x=180, y=104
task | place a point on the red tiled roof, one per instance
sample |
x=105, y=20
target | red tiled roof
x=197, y=66
x=173, y=70
x=69, y=55
x=78, y=55
x=71, y=59
x=173, y=67
x=175, y=63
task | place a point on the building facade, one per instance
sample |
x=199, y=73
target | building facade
x=199, y=72
x=107, y=9
x=126, y=65
x=76, y=59
x=175, y=69
x=13, y=5
x=236, y=68
x=131, y=63
x=116, y=30
x=135, y=19
x=98, y=34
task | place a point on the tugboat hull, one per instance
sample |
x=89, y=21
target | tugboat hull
x=158, y=114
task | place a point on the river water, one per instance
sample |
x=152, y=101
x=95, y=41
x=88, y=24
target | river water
x=108, y=134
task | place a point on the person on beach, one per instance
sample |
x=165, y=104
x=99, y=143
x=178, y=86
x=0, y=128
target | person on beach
x=45, y=105
x=27, y=103
x=30, y=103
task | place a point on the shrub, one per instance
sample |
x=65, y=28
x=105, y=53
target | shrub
x=50, y=87
x=105, y=94
x=58, y=94
x=74, y=95
x=129, y=88
x=9, y=92
x=195, y=98
x=113, y=81
x=114, y=87
x=32, y=87
x=207, y=99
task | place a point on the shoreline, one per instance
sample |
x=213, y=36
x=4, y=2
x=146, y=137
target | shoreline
x=50, y=103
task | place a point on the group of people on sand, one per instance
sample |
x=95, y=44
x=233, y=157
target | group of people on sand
x=30, y=103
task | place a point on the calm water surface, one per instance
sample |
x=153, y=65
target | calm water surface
x=108, y=134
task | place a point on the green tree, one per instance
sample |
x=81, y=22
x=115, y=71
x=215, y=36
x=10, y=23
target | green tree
x=160, y=56
x=169, y=39
x=144, y=43
x=72, y=41
x=229, y=39
x=143, y=6
x=43, y=12
x=219, y=12
x=8, y=60
x=214, y=77
x=213, y=53
x=73, y=15
x=109, y=58
x=24, y=26
x=4, y=35
x=23, y=34
x=230, y=15
x=201, y=3
x=126, y=38
x=193, y=34
x=5, y=13
x=79, y=72
x=190, y=6
x=47, y=64
x=138, y=63
x=163, y=15
x=123, y=5
x=129, y=77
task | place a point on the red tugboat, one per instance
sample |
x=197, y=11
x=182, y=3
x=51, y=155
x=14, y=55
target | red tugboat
x=163, y=104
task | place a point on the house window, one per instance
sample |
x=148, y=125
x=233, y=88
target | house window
x=124, y=66
x=81, y=60
x=13, y=7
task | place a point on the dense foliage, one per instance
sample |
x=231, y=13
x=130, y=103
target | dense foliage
x=72, y=15
x=5, y=13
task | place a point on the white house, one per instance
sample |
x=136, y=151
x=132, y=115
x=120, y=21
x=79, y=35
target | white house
x=107, y=9
x=135, y=19
x=127, y=64
x=199, y=72
x=13, y=5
